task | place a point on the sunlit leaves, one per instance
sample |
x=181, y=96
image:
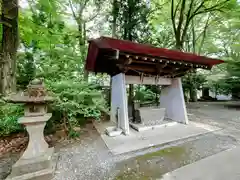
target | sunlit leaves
x=49, y=26
x=77, y=98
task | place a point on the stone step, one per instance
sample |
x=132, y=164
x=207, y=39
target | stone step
x=41, y=168
x=46, y=174
x=25, y=166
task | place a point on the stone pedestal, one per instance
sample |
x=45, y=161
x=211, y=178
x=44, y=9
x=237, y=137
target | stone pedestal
x=172, y=99
x=36, y=163
x=119, y=112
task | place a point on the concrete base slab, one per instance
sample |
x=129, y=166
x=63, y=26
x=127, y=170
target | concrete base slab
x=222, y=166
x=113, y=131
x=39, y=168
x=143, y=127
x=160, y=136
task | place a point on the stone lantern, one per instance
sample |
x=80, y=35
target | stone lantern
x=36, y=162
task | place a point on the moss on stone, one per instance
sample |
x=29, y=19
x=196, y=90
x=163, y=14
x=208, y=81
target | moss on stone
x=172, y=152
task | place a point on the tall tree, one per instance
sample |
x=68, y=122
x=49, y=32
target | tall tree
x=130, y=16
x=79, y=9
x=51, y=42
x=183, y=12
x=9, y=46
x=115, y=11
x=183, y=16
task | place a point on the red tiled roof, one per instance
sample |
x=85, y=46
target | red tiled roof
x=143, y=50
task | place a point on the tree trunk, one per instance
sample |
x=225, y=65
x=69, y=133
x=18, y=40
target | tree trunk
x=86, y=75
x=157, y=94
x=82, y=43
x=186, y=96
x=9, y=46
x=193, y=94
x=115, y=10
x=130, y=100
x=83, y=49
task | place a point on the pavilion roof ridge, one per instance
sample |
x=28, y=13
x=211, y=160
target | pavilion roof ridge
x=112, y=56
x=116, y=44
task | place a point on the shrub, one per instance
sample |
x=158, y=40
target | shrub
x=76, y=101
x=145, y=95
x=9, y=113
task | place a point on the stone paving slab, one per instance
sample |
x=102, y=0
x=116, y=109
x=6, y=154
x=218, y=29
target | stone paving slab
x=149, y=138
x=222, y=166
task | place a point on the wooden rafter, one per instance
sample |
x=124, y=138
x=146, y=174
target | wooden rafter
x=136, y=65
x=151, y=60
x=160, y=67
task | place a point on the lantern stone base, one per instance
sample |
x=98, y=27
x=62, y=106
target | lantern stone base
x=37, y=162
x=37, y=168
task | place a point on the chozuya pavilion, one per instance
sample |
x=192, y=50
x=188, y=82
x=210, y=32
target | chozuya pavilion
x=132, y=63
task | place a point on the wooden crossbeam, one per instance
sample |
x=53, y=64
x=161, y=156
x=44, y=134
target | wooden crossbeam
x=143, y=62
x=183, y=71
x=147, y=69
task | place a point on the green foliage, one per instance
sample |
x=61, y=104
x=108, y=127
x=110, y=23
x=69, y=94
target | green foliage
x=59, y=63
x=77, y=100
x=9, y=114
x=215, y=33
x=26, y=69
x=144, y=95
x=51, y=50
x=73, y=134
x=230, y=82
x=193, y=81
x=147, y=94
x=221, y=86
x=132, y=19
x=9, y=125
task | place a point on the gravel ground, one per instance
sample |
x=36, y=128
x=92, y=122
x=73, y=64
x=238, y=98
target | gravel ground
x=89, y=158
x=222, y=114
x=6, y=163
